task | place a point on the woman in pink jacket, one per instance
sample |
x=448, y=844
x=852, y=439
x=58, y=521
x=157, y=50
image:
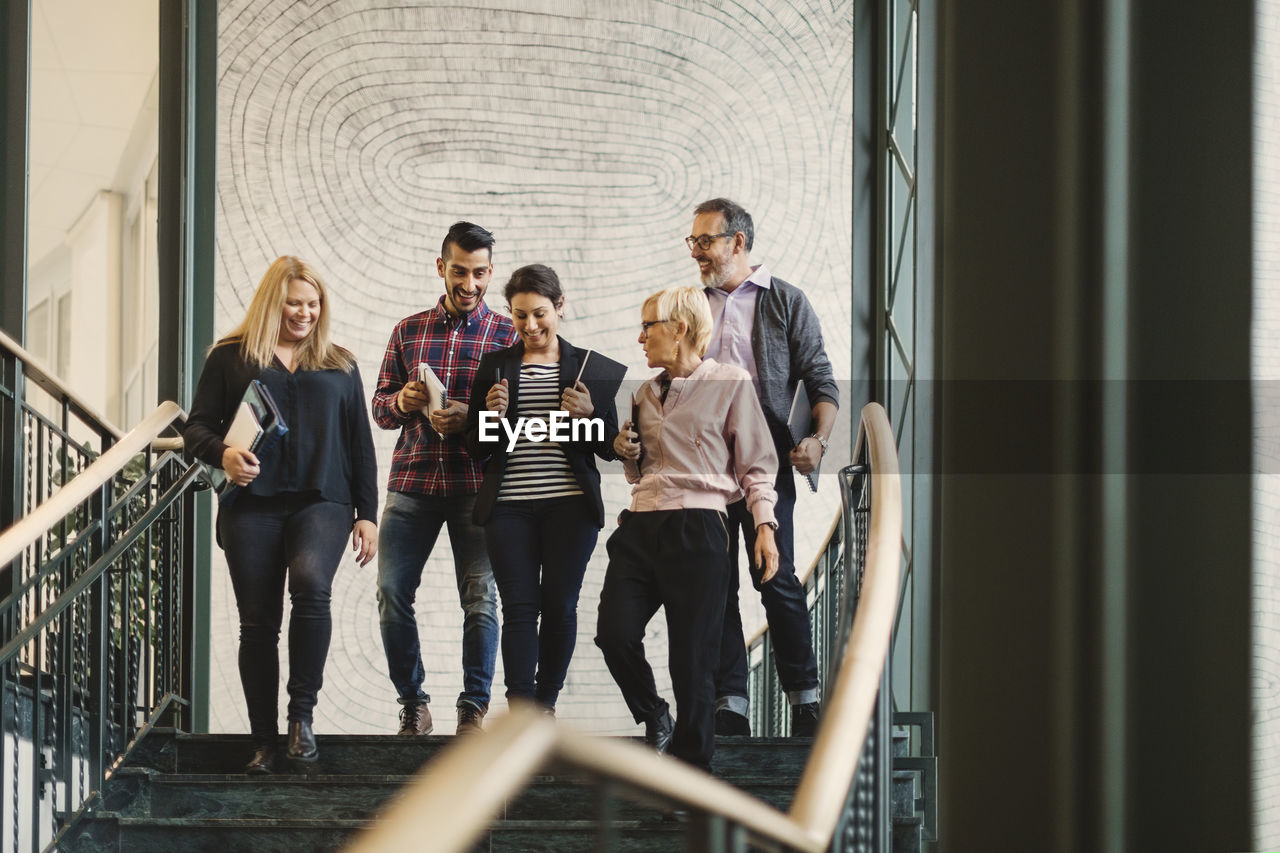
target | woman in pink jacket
x=698, y=442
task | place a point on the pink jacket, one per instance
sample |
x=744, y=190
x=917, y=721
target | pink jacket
x=706, y=447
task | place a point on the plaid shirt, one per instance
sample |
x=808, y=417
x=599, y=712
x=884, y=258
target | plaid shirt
x=424, y=463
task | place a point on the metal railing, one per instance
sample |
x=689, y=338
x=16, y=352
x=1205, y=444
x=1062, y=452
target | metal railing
x=48, y=435
x=95, y=597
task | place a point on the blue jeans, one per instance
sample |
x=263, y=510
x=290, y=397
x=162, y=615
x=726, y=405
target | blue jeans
x=539, y=550
x=410, y=526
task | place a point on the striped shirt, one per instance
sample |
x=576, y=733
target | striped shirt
x=423, y=462
x=537, y=469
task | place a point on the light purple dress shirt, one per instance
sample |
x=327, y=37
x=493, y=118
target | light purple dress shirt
x=734, y=315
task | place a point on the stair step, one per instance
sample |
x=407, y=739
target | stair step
x=362, y=755
x=904, y=792
x=509, y=836
x=159, y=835
x=190, y=792
x=908, y=834
x=227, y=796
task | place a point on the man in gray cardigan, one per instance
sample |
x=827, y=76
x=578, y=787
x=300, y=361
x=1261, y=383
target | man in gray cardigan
x=767, y=326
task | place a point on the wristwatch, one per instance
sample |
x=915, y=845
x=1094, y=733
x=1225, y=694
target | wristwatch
x=821, y=441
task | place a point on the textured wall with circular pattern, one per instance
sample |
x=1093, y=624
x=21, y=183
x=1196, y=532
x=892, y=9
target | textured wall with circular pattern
x=354, y=132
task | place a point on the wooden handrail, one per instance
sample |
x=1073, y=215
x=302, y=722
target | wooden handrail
x=30, y=528
x=456, y=796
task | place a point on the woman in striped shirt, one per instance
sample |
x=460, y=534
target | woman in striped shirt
x=540, y=500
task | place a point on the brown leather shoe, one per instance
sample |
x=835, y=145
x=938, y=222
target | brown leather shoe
x=415, y=719
x=469, y=719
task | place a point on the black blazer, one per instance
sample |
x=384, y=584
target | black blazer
x=581, y=454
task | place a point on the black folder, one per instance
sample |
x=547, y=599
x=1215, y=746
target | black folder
x=602, y=375
x=257, y=427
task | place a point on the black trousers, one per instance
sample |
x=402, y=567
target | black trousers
x=677, y=560
x=269, y=540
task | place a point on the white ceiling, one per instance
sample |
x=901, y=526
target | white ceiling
x=92, y=66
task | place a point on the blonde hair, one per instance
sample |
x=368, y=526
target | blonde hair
x=259, y=331
x=690, y=305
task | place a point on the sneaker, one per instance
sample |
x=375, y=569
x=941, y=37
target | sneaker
x=657, y=732
x=469, y=718
x=804, y=720
x=415, y=719
x=731, y=724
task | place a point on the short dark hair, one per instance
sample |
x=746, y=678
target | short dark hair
x=735, y=216
x=535, y=278
x=468, y=237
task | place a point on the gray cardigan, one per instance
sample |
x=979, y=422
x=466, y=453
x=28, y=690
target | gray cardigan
x=786, y=340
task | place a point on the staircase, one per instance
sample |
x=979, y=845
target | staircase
x=181, y=792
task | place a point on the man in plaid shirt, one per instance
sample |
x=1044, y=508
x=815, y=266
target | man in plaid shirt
x=434, y=481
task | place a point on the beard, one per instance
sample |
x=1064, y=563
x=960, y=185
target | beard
x=715, y=277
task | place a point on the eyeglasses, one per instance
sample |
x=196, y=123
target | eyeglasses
x=646, y=324
x=703, y=241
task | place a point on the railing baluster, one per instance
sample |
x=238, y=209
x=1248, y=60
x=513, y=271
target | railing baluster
x=144, y=552
x=99, y=635
x=36, y=781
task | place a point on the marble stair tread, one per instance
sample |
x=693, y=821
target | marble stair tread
x=193, y=788
x=737, y=759
x=357, y=797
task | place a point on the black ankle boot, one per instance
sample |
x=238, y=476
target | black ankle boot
x=264, y=757
x=302, y=742
x=658, y=731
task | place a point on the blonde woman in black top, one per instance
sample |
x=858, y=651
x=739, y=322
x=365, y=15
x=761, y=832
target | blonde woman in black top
x=540, y=501
x=298, y=505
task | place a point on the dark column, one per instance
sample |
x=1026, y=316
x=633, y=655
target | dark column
x=188, y=118
x=999, y=710
x=1190, y=515
x=864, y=287
x=15, y=40
x=1094, y=536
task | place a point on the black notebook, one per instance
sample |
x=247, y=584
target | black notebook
x=256, y=427
x=601, y=374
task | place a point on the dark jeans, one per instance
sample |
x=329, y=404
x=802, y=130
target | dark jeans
x=268, y=540
x=784, y=606
x=678, y=560
x=539, y=550
x=410, y=526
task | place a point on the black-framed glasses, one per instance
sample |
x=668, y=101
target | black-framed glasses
x=703, y=241
x=646, y=324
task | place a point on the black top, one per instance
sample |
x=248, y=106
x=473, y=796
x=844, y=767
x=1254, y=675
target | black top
x=328, y=450
x=581, y=454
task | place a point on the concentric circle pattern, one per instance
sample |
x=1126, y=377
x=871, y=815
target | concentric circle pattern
x=354, y=132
